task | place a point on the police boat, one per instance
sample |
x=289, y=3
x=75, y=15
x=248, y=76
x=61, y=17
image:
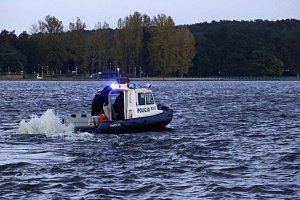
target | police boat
x=122, y=108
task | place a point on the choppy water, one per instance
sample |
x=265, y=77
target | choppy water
x=228, y=140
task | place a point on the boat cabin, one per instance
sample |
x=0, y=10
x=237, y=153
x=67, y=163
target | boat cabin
x=125, y=101
x=126, y=109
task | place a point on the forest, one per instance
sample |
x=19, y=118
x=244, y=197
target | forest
x=246, y=48
x=145, y=46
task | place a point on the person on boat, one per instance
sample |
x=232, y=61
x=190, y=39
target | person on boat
x=123, y=80
x=105, y=92
x=119, y=106
x=100, y=99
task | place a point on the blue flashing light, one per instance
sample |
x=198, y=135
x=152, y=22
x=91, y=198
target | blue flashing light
x=114, y=86
x=131, y=85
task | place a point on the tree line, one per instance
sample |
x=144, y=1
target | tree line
x=247, y=48
x=151, y=46
x=141, y=45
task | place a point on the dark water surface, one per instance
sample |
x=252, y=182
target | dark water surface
x=228, y=140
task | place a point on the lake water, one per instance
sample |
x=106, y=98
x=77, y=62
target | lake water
x=227, y=140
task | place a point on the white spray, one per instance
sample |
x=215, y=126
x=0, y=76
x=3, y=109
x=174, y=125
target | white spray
x=48, y=123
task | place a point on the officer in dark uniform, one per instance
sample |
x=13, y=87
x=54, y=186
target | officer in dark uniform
x=100, y=99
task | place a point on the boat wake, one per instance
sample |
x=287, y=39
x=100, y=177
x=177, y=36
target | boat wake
x=47, y=124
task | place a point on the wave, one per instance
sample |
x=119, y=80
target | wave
x=12, y=166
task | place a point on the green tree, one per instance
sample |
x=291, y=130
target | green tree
x=11, y=58
x=130, y=42
x=51, y=37
x=161, y=45
x=275, y=68
x=100, y=47
x=184, y=50
x=51, y=25
x=263, y=62
x=76, y=46
x=77, y=26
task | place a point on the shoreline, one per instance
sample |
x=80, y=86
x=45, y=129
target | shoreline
x=81, y=78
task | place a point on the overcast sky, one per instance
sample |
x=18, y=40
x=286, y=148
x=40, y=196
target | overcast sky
x=19, y=15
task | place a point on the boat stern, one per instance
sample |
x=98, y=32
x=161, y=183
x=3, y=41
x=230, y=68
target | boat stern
x=82, y=122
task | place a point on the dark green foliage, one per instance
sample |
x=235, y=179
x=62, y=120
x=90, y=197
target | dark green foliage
x=156, y=47
x=257, y=48
x=12, y=58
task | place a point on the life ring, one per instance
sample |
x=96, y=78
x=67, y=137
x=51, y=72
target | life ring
x=103, y=116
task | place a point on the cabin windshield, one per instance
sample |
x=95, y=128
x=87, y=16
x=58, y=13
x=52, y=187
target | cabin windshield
x=145, y=98
x=149, y=98
x=141, y=98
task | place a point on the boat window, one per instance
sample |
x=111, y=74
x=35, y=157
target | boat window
x=149, y=98
x=117, y=105
x=141, y=98
x=113, y=97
